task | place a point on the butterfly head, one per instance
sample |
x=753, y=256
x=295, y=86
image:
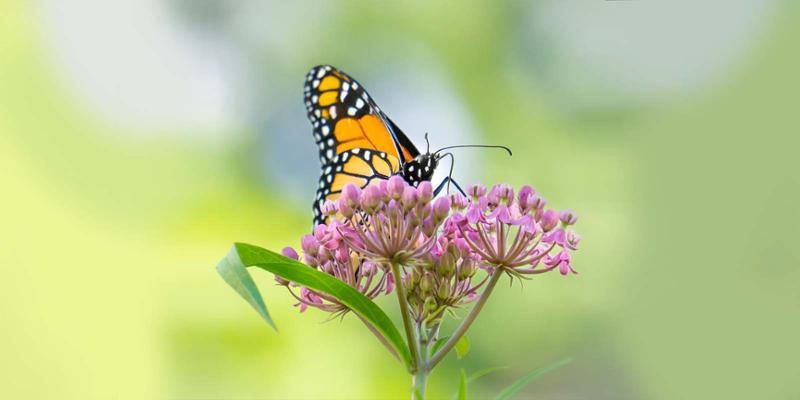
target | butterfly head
x=420, y=168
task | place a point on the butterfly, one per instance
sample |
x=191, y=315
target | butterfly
x=358, y=143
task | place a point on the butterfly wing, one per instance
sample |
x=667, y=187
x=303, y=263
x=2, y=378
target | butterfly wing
x=345, y=117
x=357, y=166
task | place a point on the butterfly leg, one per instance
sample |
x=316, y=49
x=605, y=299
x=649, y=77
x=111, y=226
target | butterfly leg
x=447, y=181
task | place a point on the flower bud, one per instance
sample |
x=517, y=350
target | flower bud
x=310, y=245
x=370, y=198
x=290, y=253
x=443, y=291
x=549, y=220
x=395, y=187
x=430, y=305
x=568, y=217
x=467, y=270
x=413, y=280
x=426, y=284
x=441, y=208
x=428, y=227
x=345, y=210
x=427, y=262
x=425, y=192
x=329, y=208
x=409, y=199
x=447, y=265
x=351, y=195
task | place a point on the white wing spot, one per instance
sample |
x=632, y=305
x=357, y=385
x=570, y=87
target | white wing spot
x=359, y=103
x=351, y=111
x=326, y=130
x=315, y=84
x=332, y=110
x=356, y=151
x=329, y=153
x=320, y=73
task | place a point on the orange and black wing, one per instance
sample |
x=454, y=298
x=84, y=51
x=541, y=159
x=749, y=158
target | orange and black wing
x=357, y=166
x=345, y=117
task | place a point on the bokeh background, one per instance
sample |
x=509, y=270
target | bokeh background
x=139, y=139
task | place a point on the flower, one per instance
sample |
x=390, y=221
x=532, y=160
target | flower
x=393, y=221
x=326, y=251
x=514, y=234
x=440, y=244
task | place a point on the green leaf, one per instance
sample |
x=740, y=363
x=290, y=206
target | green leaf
x=480, y=374
x=515, y=387
x=233, y=269
x=462, y=387
x=439, y=343
x=462, y=347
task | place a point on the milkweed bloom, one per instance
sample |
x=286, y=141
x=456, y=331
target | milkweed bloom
x=440, y=243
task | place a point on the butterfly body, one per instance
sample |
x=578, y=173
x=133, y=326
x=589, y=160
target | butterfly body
x=357, y=142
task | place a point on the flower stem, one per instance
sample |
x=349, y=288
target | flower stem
x=419, y=380
x=465, y=324
x=418, y=384
x=401, y=298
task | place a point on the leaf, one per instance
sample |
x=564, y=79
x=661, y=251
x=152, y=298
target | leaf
x=462, y=387
x=515, y=387
x=233, y=270
x=439, y=343
x=462, y=347
x=480, y=374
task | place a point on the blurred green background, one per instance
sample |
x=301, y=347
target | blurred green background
x=139, y=139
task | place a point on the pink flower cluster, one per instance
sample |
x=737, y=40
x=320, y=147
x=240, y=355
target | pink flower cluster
x=440, y=243
x=512, y=232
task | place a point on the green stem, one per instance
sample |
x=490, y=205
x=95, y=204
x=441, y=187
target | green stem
x=465, y=324
x=418, y=384
x=401, y=298
x=419, y=380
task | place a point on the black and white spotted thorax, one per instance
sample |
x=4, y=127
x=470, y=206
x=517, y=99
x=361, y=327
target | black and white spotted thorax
x=419, y=169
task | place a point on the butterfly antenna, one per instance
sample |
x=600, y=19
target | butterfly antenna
x=427, y=144
x=475, y=145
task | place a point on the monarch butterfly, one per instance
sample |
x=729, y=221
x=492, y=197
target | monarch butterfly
x=357, y=142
